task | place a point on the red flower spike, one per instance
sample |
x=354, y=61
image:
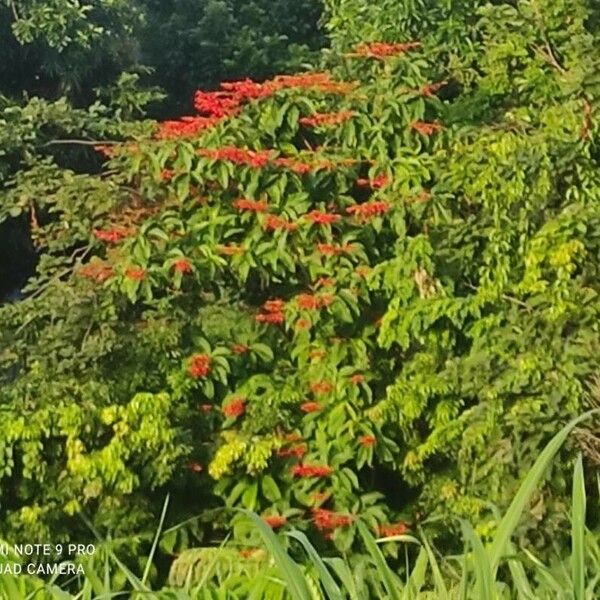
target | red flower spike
x=384, y=50
x=250, y=205
x=327, y=520
x=392, y=529
x=321, y=387
x=97, y=272
x=321, y=218
x=367, y=441
x=274, y=306
x=135, y=273
x=240, y=348
x=311, y=471
x=110, y=236
x=368, y=209
x=309, y=407
x=199, y=366
x=425, y=128
x=303, y=324
x=275, y=521
x=183, y=127
x=273, y=318
x=296, y=451
x=273, y=222
x=240, y=156
x=235, y=407
x=183, y=266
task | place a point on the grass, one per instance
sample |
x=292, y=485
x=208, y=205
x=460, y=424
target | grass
x=492, y=572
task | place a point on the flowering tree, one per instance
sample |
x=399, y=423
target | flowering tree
x=370, y=291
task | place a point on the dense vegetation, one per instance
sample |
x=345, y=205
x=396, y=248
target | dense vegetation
x=362, y=295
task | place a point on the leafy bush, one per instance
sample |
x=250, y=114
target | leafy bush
x=326, y=296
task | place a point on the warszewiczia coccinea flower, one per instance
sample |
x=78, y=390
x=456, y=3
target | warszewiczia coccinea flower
x=274, y=305
x=309, y=407
x=240, y=156
x=322, y=218
x=96, y=271
x=303, y=324
x=367, y=440
x=326, y=520
x=135, y=273
x=333, y=250
x=321, y=387
x=392, y=529
x=296, y=451
x=250, y=205
x=199, y=365
x=275, y=318
x=183, y=127
x=384, y=50
x=425, y=128
x=275, y=521
x=235, y=407
x=183, y=266
x=111, y=236
x=273, y=223
x=216, y=104
x=311, y=470
x=380, y=181
x=240, y=348
x=369, y=209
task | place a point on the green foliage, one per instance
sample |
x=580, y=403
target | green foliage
x=344, y=298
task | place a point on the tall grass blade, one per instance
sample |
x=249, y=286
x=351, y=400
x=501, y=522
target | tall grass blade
x=290, y=571
x=440, y=586
x=345, y=575
x=387, y=576
x=155, y=542
x=578, y=532
x=513, y=514
x=329, y=585
x=416, y=579
x=484, y=575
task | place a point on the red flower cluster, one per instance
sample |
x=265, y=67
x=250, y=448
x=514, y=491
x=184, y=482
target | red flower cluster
x=311, y=471
x=96, y=271
x=240, y=348
x=425, y=128
x=238, y=156
x=321, y=387
x=273, y=312
x=327, y=520
x=275, y=521
x=297, y=451
x=368, y=210
x=331, y=250
x=246, y=89
x=216, y=104
x=392, y=529
x=273, y=223
x=322, y=119
x=183, y=127
x=322, y=218
x=367, y=441
x=303, y=324
x=111, y=236
x=297, y=166
x=383, y=50
x=182, y=266
x=195, y=467
x=199, y=365
x=250, y=205
x=135, y=273
x=375, y=184
x=235, y=407
x=106, y=151
x=309, y=407
x=318, y=81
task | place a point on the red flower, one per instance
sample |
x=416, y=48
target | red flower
x=246, y=89
x=319, y=81
x=195, y=467
x=297, y=451
x=240, y=348
x=367, y=441
x=106, y=151
x=273, y=318
x=326, y=300
x=392, y=529
x=309, y=407
x=184, y=127
x=321, y=387
x=183, y=266
x=327, y=520
x=356, y=379
x=303, y=324
x=240, y=156
x=383, y=50
x=431, y=88
x=375, y=184
x=308, y=302
x=250, y=205
x=273, y=222
x=331, y=250
x=275, y=521
x=321, y=218
x=199, y=365
x=110, y=236
x=311, y=471
x=325, y=282
x=215, y=104
x=235, y=407
x=293, y=437
x=322, y=119
x=368, y=209
x=274, y=306
x=425, y=128
x=99, y=272
x=167, y=174
x=297, y=166
x=135, y=273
